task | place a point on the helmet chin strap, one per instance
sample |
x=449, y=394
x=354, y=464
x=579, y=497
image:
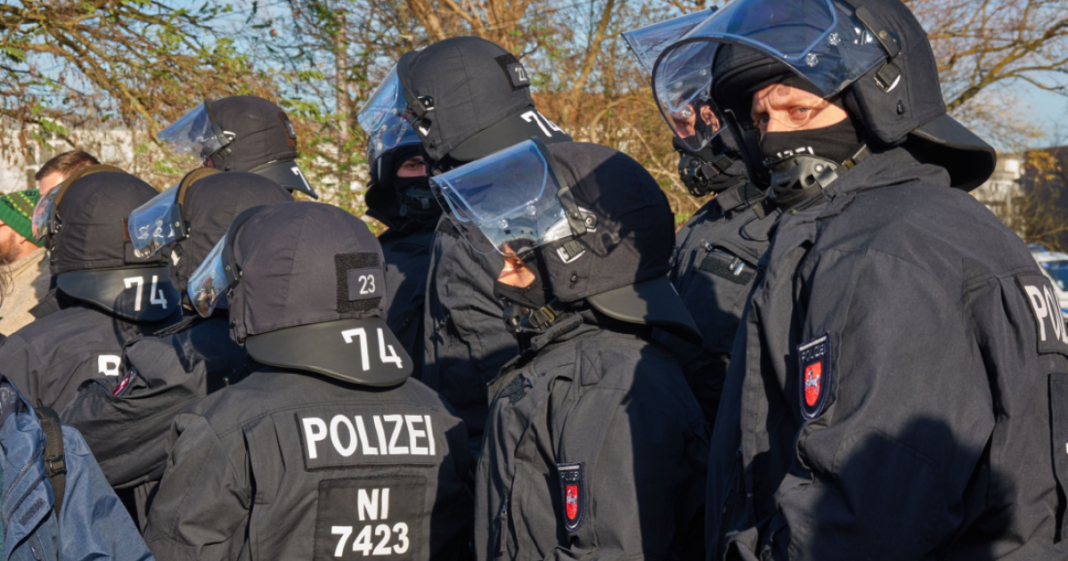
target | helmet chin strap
x=519, y=318
x=801, y=175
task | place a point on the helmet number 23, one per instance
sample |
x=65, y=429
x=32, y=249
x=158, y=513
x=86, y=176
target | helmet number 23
x=386, y=356
x=161, y=300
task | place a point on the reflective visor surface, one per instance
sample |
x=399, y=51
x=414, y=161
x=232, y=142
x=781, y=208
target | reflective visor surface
x=208, y=284
x=383, y=117
x=819, y=40
x=646, y=43
x=193, y=134
x=510, y=197
x=43, y=214
x=381, y=143
x=155, y=223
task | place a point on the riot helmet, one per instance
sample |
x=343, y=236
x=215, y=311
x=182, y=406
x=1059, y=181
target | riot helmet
x=241, y=133
x=869, y=57
x=187, y=220
x=592, y=222
x=306, y=290
x=82, y=223
x=466, y=98
x=709, y=161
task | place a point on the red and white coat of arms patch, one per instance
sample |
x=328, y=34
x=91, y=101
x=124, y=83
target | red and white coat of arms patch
x=574, y=494
x=815, y=375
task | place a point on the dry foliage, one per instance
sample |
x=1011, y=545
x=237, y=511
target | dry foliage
x=1040, y=215
x=144, y=62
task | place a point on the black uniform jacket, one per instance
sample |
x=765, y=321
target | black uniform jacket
x=127, y=420
x=49, y=359
x=715, y=265
x=890, y=391
x=407, y=254
x=290, y=465
x=466, y=341
x=595, y=449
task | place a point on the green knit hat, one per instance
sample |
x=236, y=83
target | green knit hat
x=16, y=210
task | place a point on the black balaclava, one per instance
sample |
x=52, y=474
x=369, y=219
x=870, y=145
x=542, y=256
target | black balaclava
x=520, y=303
x=796, y=161
x=714, y=169
x=401, y=202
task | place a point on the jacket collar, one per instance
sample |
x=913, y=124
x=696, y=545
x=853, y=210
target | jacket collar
x=740, y=197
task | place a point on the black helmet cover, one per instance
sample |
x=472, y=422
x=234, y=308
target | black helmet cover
x=208, y=205
x=470, y=98
x=310, y=294
x=620, y=265
x=92, y=258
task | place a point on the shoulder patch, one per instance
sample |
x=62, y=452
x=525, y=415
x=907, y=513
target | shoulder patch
x=573, y=491
x=815, y=375
x=1042, y=300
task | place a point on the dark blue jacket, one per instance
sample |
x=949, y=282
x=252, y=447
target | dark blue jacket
x=93, y=524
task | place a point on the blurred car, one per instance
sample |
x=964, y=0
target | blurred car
x=1054, y=265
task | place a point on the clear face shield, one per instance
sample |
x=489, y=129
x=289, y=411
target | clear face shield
x=380, y=144
x=822, y=41
x=44, y=216
x=509, y=201
x=156, y=223
x=196, y=133
x=646, y=43
x=218, y=273
x=212, y=279
x=384, y=116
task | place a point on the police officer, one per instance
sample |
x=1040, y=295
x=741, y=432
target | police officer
x=467, y=97
x=168, y=371
x=716, y=258
x=894, y=391
x=241, y=133
x=594, y=447
x=328, y=451
x=107, y=295
x=719, y=247
x=399, y=196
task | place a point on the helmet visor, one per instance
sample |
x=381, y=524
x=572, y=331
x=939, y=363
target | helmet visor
x=155, y=224
x=383, y=117
x=646, y=43
x=195, y=133
x=508, y=198
x=44, y=215
x=820, y=40
x=209, y=283
x=386, y=141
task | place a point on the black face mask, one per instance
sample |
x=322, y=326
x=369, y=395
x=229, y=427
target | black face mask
x=802, y=163
x=520, y=303
x=415, y=198
x=836, y=143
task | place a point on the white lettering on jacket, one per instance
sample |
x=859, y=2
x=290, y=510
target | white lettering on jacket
x=349, y=435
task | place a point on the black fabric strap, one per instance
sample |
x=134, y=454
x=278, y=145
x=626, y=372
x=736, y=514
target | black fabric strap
x=54, y=464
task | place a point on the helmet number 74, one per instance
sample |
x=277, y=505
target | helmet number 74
x=152, y=299
x=387, y=357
